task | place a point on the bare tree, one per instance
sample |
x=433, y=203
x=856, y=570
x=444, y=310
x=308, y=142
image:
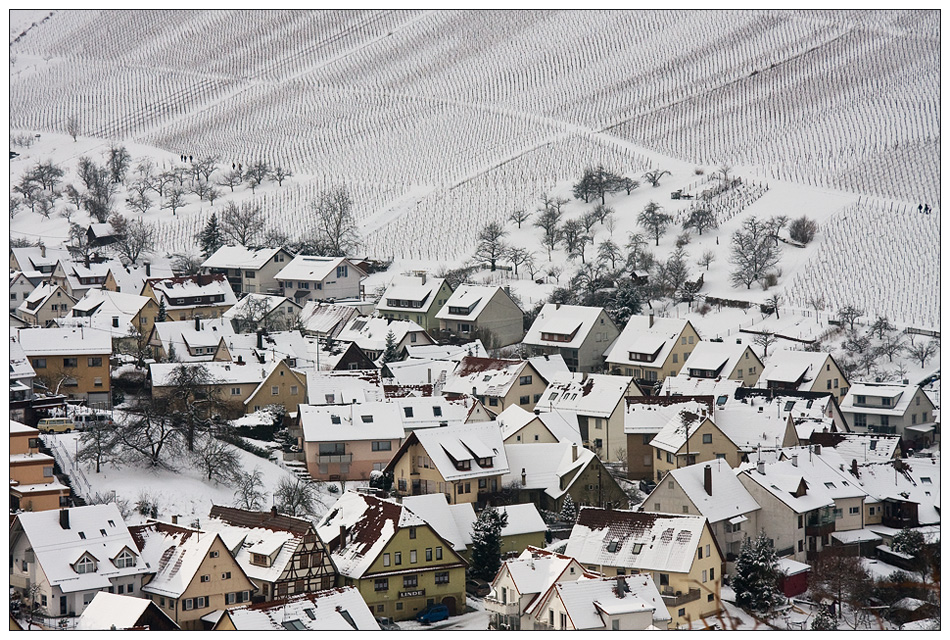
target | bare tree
x=297, y=497
x=241, y=224
x=175, y=200
x=765, y=340
x=773, y=303
x=922, y=351
x=216, y=459
x=79, y=246
x=118, y=160
x=518, y=216
x=655, y=220
x=549, y=223
x=279, y=174
x=803, y=230
x=336, y=222
x=490, y=245
x=206, y=166
x=517, y=256
x=608, y=251
x=701, y=218
x=72, y=127
x=890, y=346
x=575, y=239
x=849, y=314
x=706, y=259
x=232, y=179
x=755, y=253
x=133, y=238
x=653, y=176
x=249, y=493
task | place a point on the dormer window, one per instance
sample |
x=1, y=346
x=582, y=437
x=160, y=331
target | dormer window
x=124, y=559
x=437, y=411
x=85, y=565
x=260, y=560
x=335, y=419
x=637, y=548
x=367, y=419
x=463, y=465
x=612, y=547
x=485, y=462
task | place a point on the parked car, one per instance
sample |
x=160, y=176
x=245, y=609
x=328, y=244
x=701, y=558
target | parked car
x=387, y=624
x=434, y=613
x=56, y=425
x=477, y=588
x=85, y=420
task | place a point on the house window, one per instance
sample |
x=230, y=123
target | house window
x=707, y=438
x=39, y=363
x=438, y=553
x=860, y=420
x=524, y=400
x=676, y=357
x=523, y=380
x=125, y=559
x=854, y=510
x=681, y=612
x=382, y=445
x=409, y=582
x=235, y=391
x=412, y=556
x=341, y=271
x=429, y=555
x=367, y=419
x=493, y=402
x=274, y=391
x=563, y=621
x=386, y=560
x=94, y=362
x=381, y=584
x=206, y=578
x=226, y=575
x=441, y=577
x=664, y=579
x=407, y=411
x=398, y=555
x=412, y=533
x=70, y=362
x=705, y=575
x=85, y=565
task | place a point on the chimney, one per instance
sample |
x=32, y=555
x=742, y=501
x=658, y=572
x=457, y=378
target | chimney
x=342, y=537
x=273, y=511
x=43, y=255
x=423, y=277
x=524, y=478
x=240, y=359
x=64, y=518
x=115, y=321
x=148, y=269
x=574, y=452
x=817, y=449
x=174, y=519
x=260, y=339
x=197, y=323
x=537, y=411
x=760, y=467
x=795, y=460
x=707, y=479
x=651, y=320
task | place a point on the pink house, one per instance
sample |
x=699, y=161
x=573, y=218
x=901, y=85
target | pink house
x=348, y=442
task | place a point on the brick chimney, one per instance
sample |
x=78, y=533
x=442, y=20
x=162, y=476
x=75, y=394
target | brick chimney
x=174, y=519
x=273, y=511
x=707, y=479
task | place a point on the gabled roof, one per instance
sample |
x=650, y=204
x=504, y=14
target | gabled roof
x=447, y=352
x=662, y=542
x=536, y=570
x=587, y=394
x=39, y=342
x=729, y=497
x=916, y=478
x=219, y=372
x=793, y=367
x=549, y=366
x=174, y=553
x=544, y=464
x=20, y=367
x=41, y=295
x=264, y=305
x=110, y=303
x=238, y=257
x=111, y=611
x=182, y=335
x=30, y=259
x=326, y=318
x=57, y=549
x=461, y=443
x=410, y=288
x=364, y=421
x=588, y=600
x=275, y=346
x=567, y=320
x=863, y=447
x=650, y=414
x=484, y=376
x=344, y=387
x=672, y=436
x=370, y=333
x=900, y=396
x=755, y=421
x=561, y=424
x=417, y=412
x=339, y=609
x=313, y=268
x=639, y=337
x=721, y=357
x=204, y=285
x=683, y=385
x=421, y=370
x=131, y=278
x=472, y=298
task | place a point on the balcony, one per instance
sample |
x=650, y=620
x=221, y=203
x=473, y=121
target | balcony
x=678, y=598
x=493, y=605
x=345, y=458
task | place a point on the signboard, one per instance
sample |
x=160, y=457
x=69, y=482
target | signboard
x=412, y=594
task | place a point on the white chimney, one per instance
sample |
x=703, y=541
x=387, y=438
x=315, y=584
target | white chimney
x=761, y=467
x=795, y=460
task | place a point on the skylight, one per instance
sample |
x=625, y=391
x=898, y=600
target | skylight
x=830, y=485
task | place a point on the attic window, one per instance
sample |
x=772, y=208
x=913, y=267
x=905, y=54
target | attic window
x=328, y=398
x=260, y=560
x=874, y=446
x=845, y=483
x=437, y=411
x=721, y=401
x=408, y=411
x=553, y=396
x=293, y=625
x=366, y=419
x=102, y=531
x=335, y=419
x=830, y=485
x=310, y=614
x=486, y=378
x=111, y=523
x=637, y=548
x=612, y=547
x=789, y=405
x=85, y=565
x=82, y=536
x=925, y=480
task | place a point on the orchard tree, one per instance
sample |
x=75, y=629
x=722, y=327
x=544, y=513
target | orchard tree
x=881, y=327
x=755, y=253
x=336, y=222
x=672, y=275
x=133, y=238
x=922, y=352
x=575, y=240
x=765, y=340
x=518, y=216
x=249, y=491
x=701, y=218
x=231, y=179
x=848, y=315
x=549, y=222
x=518, y=256
x=175, y=200
x=72, y=127
x=755, y=582
x=608, y=251
x=654, y=220
x=803, y=230
x=706, y=259
x=297, y=497
x=486, y=542
x=79, y=246
x=490, y=245
x=241, y=225
x=204, y=167
x=118, y=161
x=653, y=176
x=279, y=174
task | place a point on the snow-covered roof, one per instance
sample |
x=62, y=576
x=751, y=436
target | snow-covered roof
x=587, y=394
x=364, y=421
x=417, y=412
x=565, y=326
x=536, y=570
x=856, y=535
x=20, y=368
x=174, y=554
x=326, y=318
x=683, y=385
x=868, y=447
x=275, y=346
x=729, y=497
x=30, y=259
x=131, y=278
x=758, y=421
x=183, y=336
x=562, y=424
x=899, y=397
x=452, y=353
x=19, y=427
x=645, y=541
x=464, y=442
x=410, y=288
x=452, y=522
x=544, y=464
x=467, y=302
x=793, y=366
x=338, y=609
x=721, y=357
x=40, y=295
x=790, y=567
x=257, y=305
x=111, y=611
x=917, y=481
x=647, y=416
x=96, y=530
x=370, y=333
x=312, y=268
x=219, y=372
x=586, y=599
x=484, y=376
x=109, y=303
x=188, y=287
x=672, y=436
x=638, y=336
x=549, y=366
x=421, y=370
x=369, y=523
x=71, y=341
x=238, y=257
x=344, y=387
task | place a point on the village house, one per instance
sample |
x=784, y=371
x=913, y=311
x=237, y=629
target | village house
x=497, y=383
x=484, y=312
x=259, y=311
x=338, y=609
x=281, y=554
x=33, y=485
x=806, y=496
x=650, y=349
x=328, y=354
x=320, y=278
x=691, y=438
x=110, y=611
x=465, y=462
x=520, y=583
x=28, y=400
x=901, y=409
x=678, y=551
x=519, y=426
x=621, y=603
x=185, y=297
x=417, y=298
x=325, y=319
x=72, y=554
x=712, y=490
x=344, y=387
x=100, y=234
x=644, y=417
x=862, y=447
x=77, y=278
x=36, y=263
x=248, y=270
x=130, y=278
x=20, y=289
x=455, y=523
x=349, y=442
x=121, y=309
x=580, y=335
x=902, y=494
x=423, y=412
x=74, y=362
x=804, y=371
x=192, y=573
x=598, y=402
x=371, y=334
x=546, y=474
x=45, y=304
x=399, y=564
x=680, y=385
x=268, y=346
x=196, y=340
x=733, y=361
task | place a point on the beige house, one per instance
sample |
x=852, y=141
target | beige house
x=248, y=270
x=320, y=278
x=73, y=361
x=187, y=297
x=650, y=349
x=704, y=442
x=901, y=409
x=259, y=311
x=193, y=573
x=644, y=417
x=526, y=427
x=465, y=462
x=140, y=311
x=598, y=402
x=804, y=371
x=733, y=361
x=678, y=551
x=580, y=335
x=484, y=312
x=497, y=383
x=349, y=442
x=45, y=304
x=33, y=485
x=417, y=298
x=621, y=603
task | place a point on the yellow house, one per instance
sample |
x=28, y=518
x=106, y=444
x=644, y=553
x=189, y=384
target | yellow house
x=33, y=486
x=205, y=295
x=71, y=361
x=678, y=551
x=732, y=361
x=482, y=311
x=45, y=304
x=705, y=441
x=417, y=298
x=465, y=462
x=399, y=564
x=497, y=383
x=650, y=349
x=194, y=573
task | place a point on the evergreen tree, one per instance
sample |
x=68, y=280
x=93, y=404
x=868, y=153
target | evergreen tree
x=390, y=354
x=568, y=510
x=162, y=311
x=756, y=579
x=823, y=621
x=486, y=543
x=210, y=238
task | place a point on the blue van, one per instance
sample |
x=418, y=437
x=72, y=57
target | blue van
x=434, y=613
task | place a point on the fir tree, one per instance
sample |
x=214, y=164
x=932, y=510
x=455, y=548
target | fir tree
x=162, y=311
x=756, y=579
x=390, y=354
x=568, y=510
x=210, y=238
x=486, y=543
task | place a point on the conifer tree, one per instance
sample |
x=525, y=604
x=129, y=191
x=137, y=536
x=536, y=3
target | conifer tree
x=390, y=354
x=162, y=311
x=210, y=238
x=756, y=579
x=486, y=543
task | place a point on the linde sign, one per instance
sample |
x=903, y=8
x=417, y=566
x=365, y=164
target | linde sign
x=412, y=594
